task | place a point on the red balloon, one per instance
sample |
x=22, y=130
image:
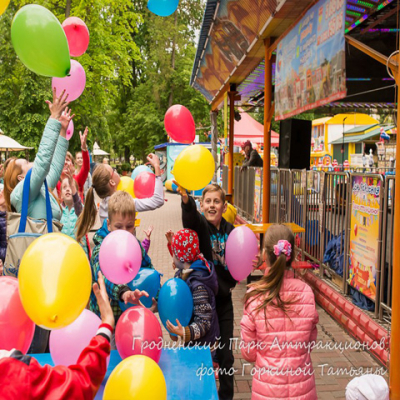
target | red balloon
x=144, y=185
x=16, y=329
x=77, y=35
x=139, y=332
x=179, y=124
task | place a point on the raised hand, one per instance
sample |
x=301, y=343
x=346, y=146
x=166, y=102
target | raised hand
x=169, y=235
x=71, y=182
x=83, y=139
x=66, y=118
x=99, y=290
x=149, y=231
x=133, y=297
x=153, y=160
x=58, y=105
x=182, y=192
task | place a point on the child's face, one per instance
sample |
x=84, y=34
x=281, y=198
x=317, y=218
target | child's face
x=66, y=192
x=2, y=202
x=120, y=222
x=212, y=207
x=79, y=159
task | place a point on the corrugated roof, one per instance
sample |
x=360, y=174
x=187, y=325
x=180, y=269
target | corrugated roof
x=208, y=19
x=360, y=128
x=361, y=138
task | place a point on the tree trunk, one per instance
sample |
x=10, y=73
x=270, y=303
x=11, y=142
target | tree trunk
x=171, y=94
x=127, y=154
x=67, y=8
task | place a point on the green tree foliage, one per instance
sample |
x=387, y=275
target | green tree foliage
x=137, y=65
x=160, y=79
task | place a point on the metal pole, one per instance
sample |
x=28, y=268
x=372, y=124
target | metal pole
x=395, y=332
x=267, y=132
x=214, y=141
x=343, y=145
x=231, y=95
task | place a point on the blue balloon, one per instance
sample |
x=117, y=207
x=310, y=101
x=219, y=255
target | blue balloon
x=174, y=187
x=175, y=301
x=163, y=8
x=147, y=279
x=138, y=170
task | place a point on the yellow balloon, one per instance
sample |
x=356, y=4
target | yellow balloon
x=194, y=167
x=230, y=214
x=136, y=378
x=3, y=5
x=126, y=185
x=54, y=280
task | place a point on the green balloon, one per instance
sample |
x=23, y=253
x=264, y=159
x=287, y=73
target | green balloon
x=40, y=42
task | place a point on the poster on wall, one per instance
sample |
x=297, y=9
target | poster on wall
x=364, y=234
x=162, y=155
x=257, y=196
x=172, y=153
x=310, y=64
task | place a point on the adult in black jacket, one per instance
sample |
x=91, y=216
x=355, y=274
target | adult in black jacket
x=252, y=158
x=213, y=232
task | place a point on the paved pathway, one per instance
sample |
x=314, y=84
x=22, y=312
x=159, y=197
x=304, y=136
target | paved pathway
x=333, y=367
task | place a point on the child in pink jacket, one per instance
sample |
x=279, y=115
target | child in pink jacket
x=278, y=327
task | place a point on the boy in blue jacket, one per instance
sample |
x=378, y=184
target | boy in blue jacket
x=202, y=280
x=121, y=215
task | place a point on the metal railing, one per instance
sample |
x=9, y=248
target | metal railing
x=334, y=221
x=321, y=203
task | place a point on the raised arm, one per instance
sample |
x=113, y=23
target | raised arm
x=50, y=139
x=84, y=172
x=157, y=200
x=60, y=153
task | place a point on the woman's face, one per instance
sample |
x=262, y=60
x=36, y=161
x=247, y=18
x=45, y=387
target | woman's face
x=79, y=159
x=25, y=166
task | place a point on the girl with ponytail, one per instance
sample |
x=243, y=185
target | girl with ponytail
x=105, y=180
x=278, y=327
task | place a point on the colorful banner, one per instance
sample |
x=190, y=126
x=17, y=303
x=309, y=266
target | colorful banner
x=257, y=195
x=364, y=234
x=310, y=65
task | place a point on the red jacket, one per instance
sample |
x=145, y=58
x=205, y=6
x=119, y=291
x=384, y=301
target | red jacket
x=22, y=377
x=81, y=177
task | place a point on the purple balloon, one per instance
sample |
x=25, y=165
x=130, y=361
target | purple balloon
x=66, y=344
x=70, y=130
x=120, y=257
x=241, y=249
x=74, y=84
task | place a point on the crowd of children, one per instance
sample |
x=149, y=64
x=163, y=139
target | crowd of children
x=277, y=307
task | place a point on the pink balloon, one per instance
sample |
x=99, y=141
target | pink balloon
x=144, y=185
x=16, y=329
x=240, y=251
x=70, y=130
x=120, y=257
x=139, y=332
x=74, y=84
x=77, y=35
x=179, y=124
x=66, y=344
